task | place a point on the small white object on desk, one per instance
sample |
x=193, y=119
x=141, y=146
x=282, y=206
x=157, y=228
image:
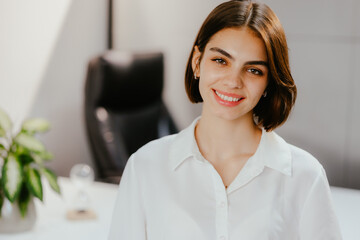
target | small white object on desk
x=82, y=176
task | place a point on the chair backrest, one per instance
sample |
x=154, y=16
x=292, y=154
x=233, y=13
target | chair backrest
x=124, y=108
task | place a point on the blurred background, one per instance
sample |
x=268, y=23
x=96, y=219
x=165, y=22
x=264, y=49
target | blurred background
x=46, y=46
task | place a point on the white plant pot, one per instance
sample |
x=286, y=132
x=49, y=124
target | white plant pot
x=11, y=220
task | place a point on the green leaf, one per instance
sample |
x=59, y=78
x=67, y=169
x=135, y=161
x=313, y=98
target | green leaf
x=12, y=177
x=33, y=181
x=19, y=150
x=24, y=199
x=29, y=142
x=37, y=159
x=51, y=177
x=1, y=196
x=2, y=132
x=5, y=122
x=3, y=151
x=36, y=125
x=26, y=159
x=46, y=155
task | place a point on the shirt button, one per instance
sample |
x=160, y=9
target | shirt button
x=222, y=204
x=222, y=238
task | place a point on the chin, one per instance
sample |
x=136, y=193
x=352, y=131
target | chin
x=228, y=113
x=231, y=116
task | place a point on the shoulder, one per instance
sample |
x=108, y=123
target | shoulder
x=308, y=175
x=304, y=165
x=303, y=158
x=152, y=154
x=158, y=145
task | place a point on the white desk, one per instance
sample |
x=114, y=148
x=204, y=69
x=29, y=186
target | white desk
x=51, y=220
x=347, y=206
x=52, y=224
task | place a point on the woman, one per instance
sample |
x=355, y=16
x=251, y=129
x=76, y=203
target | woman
x=228, y=175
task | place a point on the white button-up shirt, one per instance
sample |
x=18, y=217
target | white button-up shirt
x=169, y=191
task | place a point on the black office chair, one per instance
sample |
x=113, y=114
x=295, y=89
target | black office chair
x=124, y=108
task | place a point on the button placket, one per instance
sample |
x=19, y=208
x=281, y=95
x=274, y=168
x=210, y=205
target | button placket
x=221, y=206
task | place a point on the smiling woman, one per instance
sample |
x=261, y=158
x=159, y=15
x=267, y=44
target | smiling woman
x=262, y=25
x=228, y=175
x=233, y=65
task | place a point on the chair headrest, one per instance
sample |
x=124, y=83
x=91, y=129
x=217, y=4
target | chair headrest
x=130, y=81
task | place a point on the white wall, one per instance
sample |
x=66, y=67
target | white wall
x=61, y=95
x=29, y=30
x=323, y=37
x=45, y=47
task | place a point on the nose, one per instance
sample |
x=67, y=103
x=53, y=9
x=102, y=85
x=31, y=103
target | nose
x=234, y=79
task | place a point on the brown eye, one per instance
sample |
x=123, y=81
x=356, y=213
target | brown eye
x=220, y=61
x=255, y=71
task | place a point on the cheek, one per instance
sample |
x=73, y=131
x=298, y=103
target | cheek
x=258, y=88
x=206, y=79
x=209, y=69
x=202, y=87
x=210, y=76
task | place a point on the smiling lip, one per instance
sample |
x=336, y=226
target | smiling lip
x=227, y=99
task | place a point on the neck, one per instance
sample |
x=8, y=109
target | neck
x=223, y=139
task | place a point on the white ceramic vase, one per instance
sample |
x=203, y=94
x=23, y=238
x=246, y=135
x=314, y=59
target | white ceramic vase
x=11, y=220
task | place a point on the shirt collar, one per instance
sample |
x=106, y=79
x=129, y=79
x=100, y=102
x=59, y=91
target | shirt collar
x=273, y=152
x=184, y=145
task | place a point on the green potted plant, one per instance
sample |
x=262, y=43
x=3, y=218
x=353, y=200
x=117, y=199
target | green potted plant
x=22, y=163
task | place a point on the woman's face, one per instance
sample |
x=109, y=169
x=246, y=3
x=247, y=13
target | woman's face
x=233, y=73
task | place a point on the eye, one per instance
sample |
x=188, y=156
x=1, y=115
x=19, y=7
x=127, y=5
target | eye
x=255, y=71
x=219, y=61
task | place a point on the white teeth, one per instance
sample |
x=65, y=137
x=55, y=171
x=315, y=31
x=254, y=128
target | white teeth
x=226, y=98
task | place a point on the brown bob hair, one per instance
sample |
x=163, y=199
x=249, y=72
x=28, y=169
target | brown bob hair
x=272, y=110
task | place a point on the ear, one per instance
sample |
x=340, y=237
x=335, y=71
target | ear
x=195, y=62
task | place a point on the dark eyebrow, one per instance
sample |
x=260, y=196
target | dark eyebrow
x=225, y=53
x=264, y=63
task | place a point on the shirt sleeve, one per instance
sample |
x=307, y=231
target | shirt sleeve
x=318, y=220
x=128, y=220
